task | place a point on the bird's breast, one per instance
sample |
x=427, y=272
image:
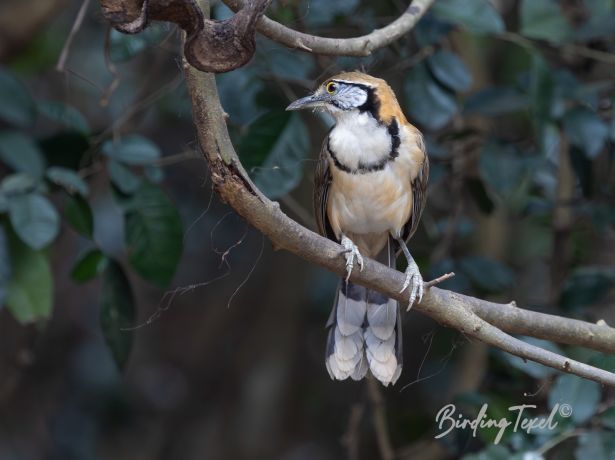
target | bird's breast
x=374, y=203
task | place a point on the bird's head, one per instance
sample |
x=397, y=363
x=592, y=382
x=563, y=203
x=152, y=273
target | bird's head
x=347, y=92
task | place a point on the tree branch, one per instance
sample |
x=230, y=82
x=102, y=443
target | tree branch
x=486, y=321
x=211, y=46
x=466, y=314
x=357, y=46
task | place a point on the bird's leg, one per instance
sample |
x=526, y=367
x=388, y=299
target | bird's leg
x=413, y=276
x=351, y=252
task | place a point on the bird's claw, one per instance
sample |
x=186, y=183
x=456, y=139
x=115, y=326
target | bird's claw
x=351, y=252
x=416, y=283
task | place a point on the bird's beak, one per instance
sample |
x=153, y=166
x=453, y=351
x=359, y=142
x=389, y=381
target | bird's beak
x=312, y=101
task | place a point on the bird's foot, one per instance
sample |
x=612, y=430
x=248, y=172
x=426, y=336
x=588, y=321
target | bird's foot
x=416, y=283
x=351, y=252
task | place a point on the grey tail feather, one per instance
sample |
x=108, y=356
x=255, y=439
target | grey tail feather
x=364, y=333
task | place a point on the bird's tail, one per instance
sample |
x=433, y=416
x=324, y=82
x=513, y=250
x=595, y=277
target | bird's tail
x=364, y=334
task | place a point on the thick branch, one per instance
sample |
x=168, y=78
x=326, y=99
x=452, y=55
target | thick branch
x=515, y=320
x=211, y=46
x=357, y=46
x=448, y=308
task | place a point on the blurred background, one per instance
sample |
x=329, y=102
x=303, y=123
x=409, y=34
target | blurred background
x=141, y=318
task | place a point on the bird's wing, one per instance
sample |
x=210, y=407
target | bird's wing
x=322, y=181
x=419, y=198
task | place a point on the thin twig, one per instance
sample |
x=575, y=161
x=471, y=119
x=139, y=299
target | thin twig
x=61, y=64
x=104, y=99
x=439, y=280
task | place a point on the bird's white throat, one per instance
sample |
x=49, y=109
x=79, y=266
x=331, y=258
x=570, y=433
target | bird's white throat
x=358, y=137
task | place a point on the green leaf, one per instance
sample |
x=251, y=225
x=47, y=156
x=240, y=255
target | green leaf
x=450, y=70
x=477, y=190
x=260, y=137
x=598, y=8
x=282, y=170
x=533, y=369
x=154, y=173
x=549, y=141
x=117, y=312
x=323, y=12
x=430, y=30
x=244, y=109
x=479, y=16
x=30, y=290
x=283, y=62
x=123, y=178
x=591, y=445
x=5, y=265
x=124, y=47
x=64, y=114
x=501, y=168
x=18, y=184
x=543, y=19
x=79, y=215
x=603, y=361
x=16, y=104
x=488, y=274
x=21, y=153
x=586, y=131
x=132, y=150
x=428, y=102
x=4, y=202
x=89, y=265
x=34, y=219
x=154, y=235
x=581, y=394
x=586, y=286
x=601, y=23
x=68, y=179
x=542, y=90
x=496, y=101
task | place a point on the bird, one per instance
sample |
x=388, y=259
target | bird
x=370, y=189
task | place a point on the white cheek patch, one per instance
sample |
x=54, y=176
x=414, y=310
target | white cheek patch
x=351, y=97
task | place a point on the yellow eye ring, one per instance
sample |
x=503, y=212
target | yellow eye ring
x=331, y=87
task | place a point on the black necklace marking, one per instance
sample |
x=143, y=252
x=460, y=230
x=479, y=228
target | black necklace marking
x=372, y=104
x=379, y=165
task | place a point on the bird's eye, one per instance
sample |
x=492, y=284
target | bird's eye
x=331, y=87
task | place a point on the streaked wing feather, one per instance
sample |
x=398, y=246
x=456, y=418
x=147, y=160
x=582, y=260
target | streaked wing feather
x=322, y=181
x=419, y=198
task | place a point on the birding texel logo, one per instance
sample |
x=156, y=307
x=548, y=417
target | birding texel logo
x=448, y=419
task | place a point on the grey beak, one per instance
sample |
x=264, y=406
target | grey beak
x=308, y=102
